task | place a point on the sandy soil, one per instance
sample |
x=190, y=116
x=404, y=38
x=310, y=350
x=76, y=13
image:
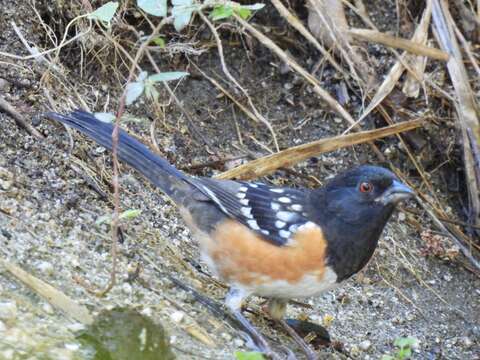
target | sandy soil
x=48, y=211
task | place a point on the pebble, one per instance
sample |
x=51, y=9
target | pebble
x=5, y=184
x=8, y=310
x=365, y=345
x=238, y=342
x=74, y=327
x=354, y=351
x=72, y=346
x=127, y=288
x=467, y=342
x=45, y=267
x=401, y=216
x=177, y=316
x=227, y=337
x=47, y=308
x=3, y=327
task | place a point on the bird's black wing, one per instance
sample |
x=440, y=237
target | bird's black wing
x=274, y=212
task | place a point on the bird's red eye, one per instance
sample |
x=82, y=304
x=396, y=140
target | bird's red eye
x=366, y=187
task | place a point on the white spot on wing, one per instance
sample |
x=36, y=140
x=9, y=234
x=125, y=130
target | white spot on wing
x=284, y=233
x=240, y=195
x=242, y=188
x=244, y=202
x=285, y=215
x=296, y=207
x=266, y=232
x=253, y=224
x=293, y=228
x=307, y=225
x=278, y=191
x=253, y=185
x=285, y=200
x=280, y=224
x=247, y=212
x=275, y=206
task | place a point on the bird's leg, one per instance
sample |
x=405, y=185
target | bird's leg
x=234, y=301
x=276, y=309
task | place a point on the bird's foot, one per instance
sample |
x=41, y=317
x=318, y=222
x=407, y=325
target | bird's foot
x=309, y=352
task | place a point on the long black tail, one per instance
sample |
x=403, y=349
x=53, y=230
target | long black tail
x=156, y=169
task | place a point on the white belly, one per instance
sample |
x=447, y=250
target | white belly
x=307, y=286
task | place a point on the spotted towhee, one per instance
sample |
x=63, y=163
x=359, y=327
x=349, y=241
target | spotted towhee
x=275, y=242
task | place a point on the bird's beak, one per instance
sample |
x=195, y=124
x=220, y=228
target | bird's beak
x=396, y=193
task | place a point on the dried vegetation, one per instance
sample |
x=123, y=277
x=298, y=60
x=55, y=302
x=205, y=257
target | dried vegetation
x=266, y=96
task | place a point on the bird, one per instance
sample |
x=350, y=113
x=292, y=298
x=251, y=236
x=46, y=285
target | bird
x=270, y=241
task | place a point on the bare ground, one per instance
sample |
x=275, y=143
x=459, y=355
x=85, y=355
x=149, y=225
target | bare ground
x=48, y=212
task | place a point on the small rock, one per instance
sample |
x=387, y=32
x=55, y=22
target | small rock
x=337, y=120
x=147, y=312
x=177, y=316
x=127, y=288
x=47, y=308
x=466, y=342
x=5, y=184
x=238, y=343
x=72, y=346
x=3, y=327
x=227, y=337
x=8, y=310
x=45, y=267
x=401, y=216
x=75, y=327
x=365, y=345
x=354, y=351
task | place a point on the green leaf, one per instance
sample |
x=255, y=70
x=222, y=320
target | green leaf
x=153, y=7
x=403, y=342
x=105, y=117
x=167, y=76
x=105, y=12
x=182, y=12
x=248, y=355
x=126, y=215
x=159, y=41
x=404, y=353
x=243, y=13
x=130, y=214
x=221, y=12
x=133, y=91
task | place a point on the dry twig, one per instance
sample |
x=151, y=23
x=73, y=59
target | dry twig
x=49, y=293
x=410, y=46
x=9, y=109
x=296, y=154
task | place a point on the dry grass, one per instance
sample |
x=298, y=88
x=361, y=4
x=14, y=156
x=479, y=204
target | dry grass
x=441, y=70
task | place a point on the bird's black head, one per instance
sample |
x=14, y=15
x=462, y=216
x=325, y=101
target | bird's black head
x=365, y=194
x=356, y=206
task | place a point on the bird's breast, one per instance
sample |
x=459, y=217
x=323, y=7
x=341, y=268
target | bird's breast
x=243, y=258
